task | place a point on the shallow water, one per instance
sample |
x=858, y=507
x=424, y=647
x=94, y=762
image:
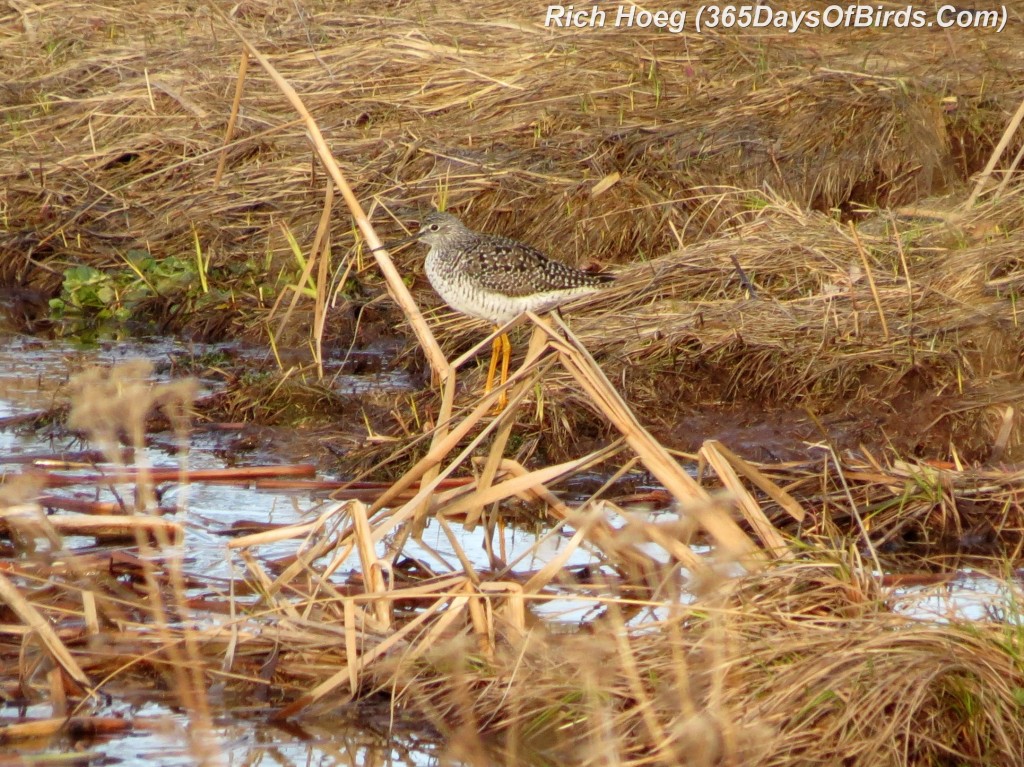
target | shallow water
x=32, y=374
x=161, y=737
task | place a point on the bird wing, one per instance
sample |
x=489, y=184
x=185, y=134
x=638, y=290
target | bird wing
x=512, y=268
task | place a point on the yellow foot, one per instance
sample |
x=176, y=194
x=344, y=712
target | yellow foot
x=501, y=404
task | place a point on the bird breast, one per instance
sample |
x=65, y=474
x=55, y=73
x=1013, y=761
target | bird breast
x=451, y=281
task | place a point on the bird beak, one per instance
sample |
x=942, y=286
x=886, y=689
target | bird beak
x=398, y=243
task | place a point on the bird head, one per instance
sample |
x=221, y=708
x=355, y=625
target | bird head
x=438, y=228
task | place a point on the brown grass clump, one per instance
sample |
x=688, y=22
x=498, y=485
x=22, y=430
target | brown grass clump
x=805, y=662
x=800, y=666
x=923, y=346
x=608, y=145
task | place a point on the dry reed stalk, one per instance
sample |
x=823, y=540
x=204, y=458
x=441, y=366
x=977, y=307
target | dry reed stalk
x=440, y=432
x=118, y=473
x=355, y=664
x=323, y=244
x=586, y=524
x=464, y=561
x=623, y=554
x=412, y=508
x=512, y=608
x=267, y=588
x=517, y=485
x=397, y=288
x=1004, y=142
x=436, y=454
x=769, y=488
x=1003, y=435
x=229, y=130
x=118, y=526
x=692, y=499
x=773, y=541
x=530, y=371
x=489, y=471
x=869, y=273
x=285, y=532
x=371, y=567
x=80, y=505
x=1010, y=172
x=42, y=628
x=81, y=726
x=448, y=394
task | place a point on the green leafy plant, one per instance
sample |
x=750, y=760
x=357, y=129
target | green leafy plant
x=91, y=298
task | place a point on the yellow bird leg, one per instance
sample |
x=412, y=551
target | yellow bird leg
x=501, y=347
x=506, y=359
x=496, y=347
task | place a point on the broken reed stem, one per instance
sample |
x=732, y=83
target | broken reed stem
x=785, y=501
x=625, y=556
x=419, y=503
x=440, y=448
x=1004, y=141
x=229, y=132
x=428, y=489
x=349, y=672
x=438, y=362
x=519, y=484
x=862, y=252
x=748, y=505
x=692, y=498
x=371, y=568
x=31, y=617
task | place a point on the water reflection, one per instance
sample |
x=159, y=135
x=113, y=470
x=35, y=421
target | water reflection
x=160, y=736
x=969, y=596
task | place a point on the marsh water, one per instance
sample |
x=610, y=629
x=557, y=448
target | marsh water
x=34, y=374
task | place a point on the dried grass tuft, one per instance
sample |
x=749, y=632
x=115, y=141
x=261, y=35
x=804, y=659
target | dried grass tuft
x=685, y=657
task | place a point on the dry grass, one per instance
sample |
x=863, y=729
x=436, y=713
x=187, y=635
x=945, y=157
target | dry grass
x=675, y=157
x=730, y=656
x=610, y=146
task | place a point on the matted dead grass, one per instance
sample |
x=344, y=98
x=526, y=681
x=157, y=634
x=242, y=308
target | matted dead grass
x=667, y=154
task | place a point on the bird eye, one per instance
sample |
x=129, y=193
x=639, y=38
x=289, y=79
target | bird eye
x=434, y=227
